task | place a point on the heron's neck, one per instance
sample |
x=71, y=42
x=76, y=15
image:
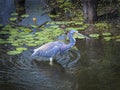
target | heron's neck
x=72, y=40
x=71, y=44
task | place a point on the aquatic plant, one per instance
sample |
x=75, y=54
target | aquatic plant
x=14, y=14
x=107, y=38
x=1, y=25
x=4, y=32
x=106, y=34
x=117, y=40
x=24, y=15
x=21, y=37
x=21, y=48
x=102, y=25
x=14, y=52
x=2, y=41
x=95, y=35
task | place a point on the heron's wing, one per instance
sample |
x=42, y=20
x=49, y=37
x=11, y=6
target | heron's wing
x=47, y=50
x=46, y=46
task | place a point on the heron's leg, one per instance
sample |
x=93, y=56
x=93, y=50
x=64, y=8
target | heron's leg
x=51, y=61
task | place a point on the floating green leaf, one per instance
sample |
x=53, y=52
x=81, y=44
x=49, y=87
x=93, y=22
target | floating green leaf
x=13, y=19
x=81, y=28
x=117, y=36
x=107, y=38
x=2, y=41
x=79, y=23
x=4, y=32
x=31, y=44
x=106, y=34
x=54, y=26
x=95, y=35
x=14, y=52
x=118, y=40
x=60, y=1
x=21, y=49
x=14, y=14
x=33, y=26
x=7, y=27
x=25, y=16
x=77, y=36
x=102, y=25
x=1, y=25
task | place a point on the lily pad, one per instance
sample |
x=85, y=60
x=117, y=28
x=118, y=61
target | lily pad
x=81, y=28
x=106, y=34
x=1, y=25
x=13, y=19
x=79, y=23
x=14, y=14
x=2, y=41
x=107, y=38
x=15, y=44
x=54, y=26
x=14, y=52
x=117, y=36
x=4, y=32
x=25, y=16
x=80, y=37
x=21, y=49
x=95, y=35
x=31, y=44
x=118, y=40
x=70, y=28
x=33, y=26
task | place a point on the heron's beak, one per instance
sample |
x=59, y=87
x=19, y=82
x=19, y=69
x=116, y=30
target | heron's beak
x=79, y=35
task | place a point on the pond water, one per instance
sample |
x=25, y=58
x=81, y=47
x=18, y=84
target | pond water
x=97, y=68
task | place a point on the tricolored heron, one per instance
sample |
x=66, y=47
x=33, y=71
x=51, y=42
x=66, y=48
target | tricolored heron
x=49, y=50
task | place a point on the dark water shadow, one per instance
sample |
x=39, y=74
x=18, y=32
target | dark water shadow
x=109, y=16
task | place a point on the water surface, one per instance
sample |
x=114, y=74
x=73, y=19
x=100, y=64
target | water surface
x=98, y=68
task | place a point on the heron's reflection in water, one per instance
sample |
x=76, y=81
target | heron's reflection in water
x=67, y=60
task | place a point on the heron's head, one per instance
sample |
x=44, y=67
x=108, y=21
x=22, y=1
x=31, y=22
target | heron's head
x=75, y=33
